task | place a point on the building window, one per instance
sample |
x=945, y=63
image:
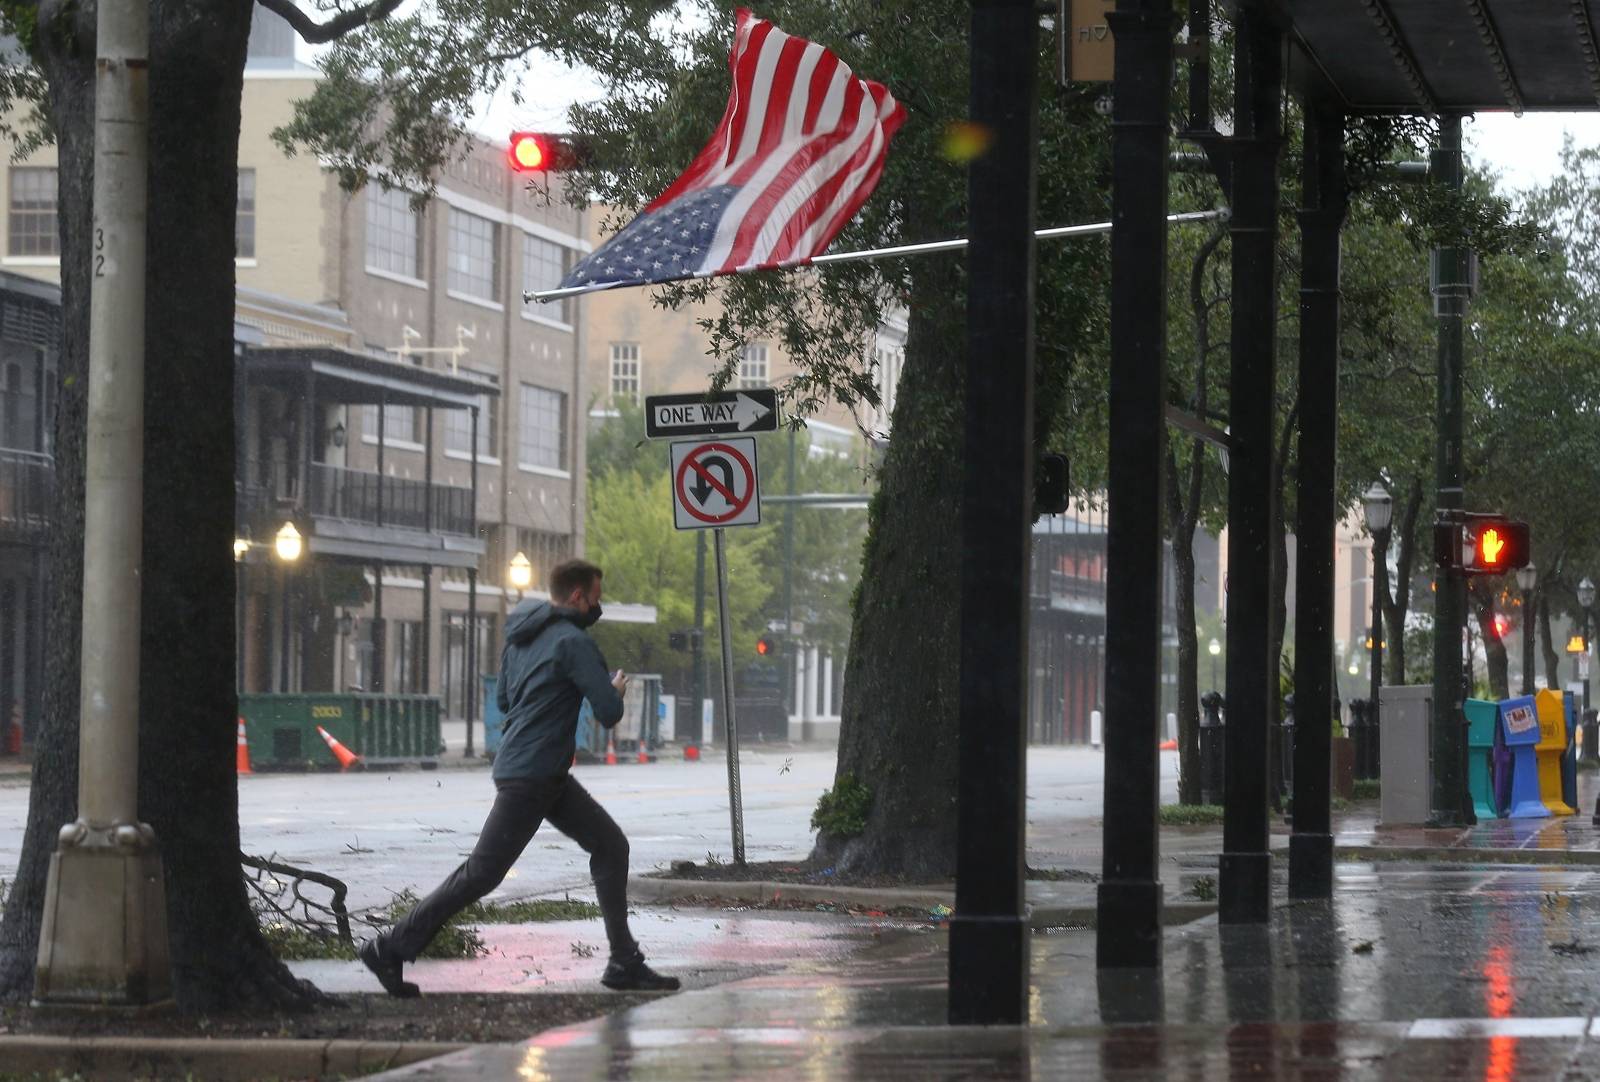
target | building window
x=33, y=212
x=244, y=218
x=458, y=425
x=403, y=423
x=544, y=264
x=474, y=255
x=753, y=366
x=625, y=371
x=542, y=439
x=394, y=232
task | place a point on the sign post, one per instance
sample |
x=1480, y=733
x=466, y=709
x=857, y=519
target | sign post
x=715, y=485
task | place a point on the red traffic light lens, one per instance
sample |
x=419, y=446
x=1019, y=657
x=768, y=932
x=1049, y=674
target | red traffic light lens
x=528, y=152
x=1501, y=625
x=763, y=646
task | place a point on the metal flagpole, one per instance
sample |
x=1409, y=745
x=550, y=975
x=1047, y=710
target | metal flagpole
x=735, y=800
x=1053, y=233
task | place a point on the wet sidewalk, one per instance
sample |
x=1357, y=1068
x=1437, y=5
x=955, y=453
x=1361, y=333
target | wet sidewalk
x=1429, y=963
x=1414, y=972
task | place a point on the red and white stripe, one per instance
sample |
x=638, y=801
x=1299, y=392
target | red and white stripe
x=803, y=139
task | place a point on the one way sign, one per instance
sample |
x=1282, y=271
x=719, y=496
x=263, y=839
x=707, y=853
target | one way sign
x=674, y=416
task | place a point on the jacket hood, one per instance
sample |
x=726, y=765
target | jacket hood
x=531, y=617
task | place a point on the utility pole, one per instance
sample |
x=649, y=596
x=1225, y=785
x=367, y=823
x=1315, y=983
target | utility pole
x=1447, y=738
x=698, y=639
x=789, y=695
x=104, y=937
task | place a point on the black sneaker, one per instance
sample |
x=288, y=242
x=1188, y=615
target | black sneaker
x=387, y=969
x=636, y=976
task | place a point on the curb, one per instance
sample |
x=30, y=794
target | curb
x=221, y=1058
x=1044, y=916
x=1460, y=855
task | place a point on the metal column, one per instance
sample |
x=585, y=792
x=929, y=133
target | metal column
x=1449, y=801
x=989, y=934
x=1128, y=900
x=1321, y=217
x=1245, y=881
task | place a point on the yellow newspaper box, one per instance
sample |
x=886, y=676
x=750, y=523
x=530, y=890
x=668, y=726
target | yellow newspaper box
x=1552, y=710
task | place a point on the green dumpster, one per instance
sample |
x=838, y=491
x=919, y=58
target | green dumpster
x=382, y=729
x=1482, y=716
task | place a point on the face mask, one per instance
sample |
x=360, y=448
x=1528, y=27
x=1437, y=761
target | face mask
x=587, y=619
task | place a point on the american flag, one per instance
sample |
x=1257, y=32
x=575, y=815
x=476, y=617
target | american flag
x=799, y=149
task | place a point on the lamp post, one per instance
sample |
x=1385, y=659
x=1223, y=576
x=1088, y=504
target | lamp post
x=241, y=549
x=1214, y=649
x=1586, y=602
x=1378, y=509
x=519, y=574
x=1527, y=577
x=287, y=545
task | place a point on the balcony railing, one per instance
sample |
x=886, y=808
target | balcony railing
x=353, y=495
x=27, y=492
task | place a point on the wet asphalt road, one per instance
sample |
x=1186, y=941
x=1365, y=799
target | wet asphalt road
x=382, y=832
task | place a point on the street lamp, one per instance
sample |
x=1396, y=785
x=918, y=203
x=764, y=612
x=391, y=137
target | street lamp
x=520, y=574
x=1378, y=508
x=1527, y=577
x=1214, y=648
x=287, y=544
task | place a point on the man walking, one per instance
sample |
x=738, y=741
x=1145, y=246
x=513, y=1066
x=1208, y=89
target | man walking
x=548, y=667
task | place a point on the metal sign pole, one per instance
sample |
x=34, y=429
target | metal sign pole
x=735, y=801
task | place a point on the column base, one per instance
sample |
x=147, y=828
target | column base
x=988, y=970
x=1311, y=865
x=103, y=941
x=1244, y=888
x=1128, y=925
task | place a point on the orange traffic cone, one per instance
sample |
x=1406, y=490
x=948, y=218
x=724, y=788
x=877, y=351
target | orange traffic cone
x=242, y=758
x=691, y=753
x=611, y=751
x=1167, y=745
x=348, y=759
x=644, y=752
x=14, y=731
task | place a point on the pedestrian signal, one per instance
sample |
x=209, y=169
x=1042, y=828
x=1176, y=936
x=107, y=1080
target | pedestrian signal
x=766, y=646
x=1482, y=545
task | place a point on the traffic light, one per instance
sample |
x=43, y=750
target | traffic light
x=1050, y=486
x=1482, y=545
x=544, y=152
x=1500, y=625
x=766, y=646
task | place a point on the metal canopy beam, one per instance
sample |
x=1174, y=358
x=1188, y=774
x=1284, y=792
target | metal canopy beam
x=1424, y=56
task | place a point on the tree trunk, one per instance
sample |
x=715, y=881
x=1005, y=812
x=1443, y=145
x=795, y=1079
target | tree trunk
x=1552, y=660
x=897, y=732
x=187, y=787
x=1494, y=649
x=53, y=796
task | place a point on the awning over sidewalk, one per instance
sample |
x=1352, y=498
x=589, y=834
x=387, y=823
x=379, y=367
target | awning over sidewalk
x=1445, y=56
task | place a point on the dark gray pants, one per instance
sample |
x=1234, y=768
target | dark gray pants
x=520, y=805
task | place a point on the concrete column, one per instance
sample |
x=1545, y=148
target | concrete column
x=104, y=934
x=827, y=687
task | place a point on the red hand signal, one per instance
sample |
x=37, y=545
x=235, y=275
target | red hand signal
x=1490, y=544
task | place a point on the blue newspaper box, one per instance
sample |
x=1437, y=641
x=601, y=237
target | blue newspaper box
x=1519, y=726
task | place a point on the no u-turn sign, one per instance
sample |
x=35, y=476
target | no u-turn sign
x=714, y=484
